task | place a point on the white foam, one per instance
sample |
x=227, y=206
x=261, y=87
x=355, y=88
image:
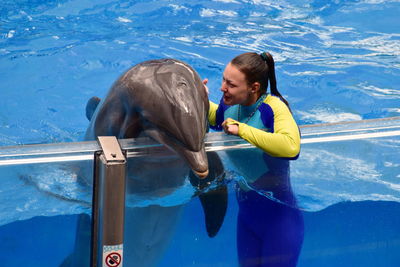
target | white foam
x=313, y=73
x=178, y=7
x=227, y=1
x=10, y=34
x=184, y=39
x=207, y=12
x=124, y=20
x=322, y=115
x=377, y=92
x=239, y=29
x=397, y=110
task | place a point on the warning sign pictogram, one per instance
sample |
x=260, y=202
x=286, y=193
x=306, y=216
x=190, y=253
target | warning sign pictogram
x=113, y=259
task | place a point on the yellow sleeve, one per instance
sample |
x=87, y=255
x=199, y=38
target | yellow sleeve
x=212, y=114
x=283, y=142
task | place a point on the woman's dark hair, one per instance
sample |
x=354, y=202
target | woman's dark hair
x=259, y=68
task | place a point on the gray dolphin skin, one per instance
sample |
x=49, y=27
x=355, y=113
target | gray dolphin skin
x=165, y=100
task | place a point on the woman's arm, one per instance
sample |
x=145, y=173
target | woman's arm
x=284, y=141
x=212, y=113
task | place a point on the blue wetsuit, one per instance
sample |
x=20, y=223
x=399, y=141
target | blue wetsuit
x=269, y=232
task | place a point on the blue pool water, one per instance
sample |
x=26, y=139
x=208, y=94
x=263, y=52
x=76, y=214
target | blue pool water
x=335, y=61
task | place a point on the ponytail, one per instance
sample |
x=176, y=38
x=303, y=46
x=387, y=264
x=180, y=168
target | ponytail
x=269, y=60
x=253, y=67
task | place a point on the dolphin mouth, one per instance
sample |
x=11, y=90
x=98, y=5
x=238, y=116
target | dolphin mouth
x=201, y=175
x=197, y=160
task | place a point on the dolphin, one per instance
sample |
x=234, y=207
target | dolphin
x=165, y=100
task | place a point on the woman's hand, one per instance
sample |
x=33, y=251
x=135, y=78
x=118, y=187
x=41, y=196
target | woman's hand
x=231, y=126
x=205, y=81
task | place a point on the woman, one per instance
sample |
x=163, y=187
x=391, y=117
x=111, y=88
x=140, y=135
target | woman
x=270, y=227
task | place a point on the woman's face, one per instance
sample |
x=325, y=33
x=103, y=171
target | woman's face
x=235, y=87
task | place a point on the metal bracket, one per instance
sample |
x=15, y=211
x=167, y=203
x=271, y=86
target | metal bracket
x=111, y=149
x=108, y=206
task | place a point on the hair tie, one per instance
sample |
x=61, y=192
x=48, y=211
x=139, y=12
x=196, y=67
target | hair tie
x=264, y=56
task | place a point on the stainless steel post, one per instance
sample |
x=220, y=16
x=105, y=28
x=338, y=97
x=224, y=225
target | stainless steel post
x=108, y=204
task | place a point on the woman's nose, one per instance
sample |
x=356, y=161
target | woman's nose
x=223, y=87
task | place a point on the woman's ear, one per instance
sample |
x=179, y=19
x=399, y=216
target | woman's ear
x=255, y=88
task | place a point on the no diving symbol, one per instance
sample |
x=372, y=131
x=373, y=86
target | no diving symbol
x=113, y=259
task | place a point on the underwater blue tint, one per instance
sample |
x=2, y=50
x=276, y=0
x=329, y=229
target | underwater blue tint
x=335, y=61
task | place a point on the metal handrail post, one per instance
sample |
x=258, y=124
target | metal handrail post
x=108, y=207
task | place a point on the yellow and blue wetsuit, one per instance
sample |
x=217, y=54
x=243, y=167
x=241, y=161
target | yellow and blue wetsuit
x=269, y=233
x=281, y=137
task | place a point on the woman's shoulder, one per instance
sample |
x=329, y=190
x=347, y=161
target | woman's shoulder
x=276, y=103
x=273, y=99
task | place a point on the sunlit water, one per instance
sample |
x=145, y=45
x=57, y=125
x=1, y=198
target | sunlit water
x=335, y=61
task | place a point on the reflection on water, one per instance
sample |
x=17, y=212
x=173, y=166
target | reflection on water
x=324, y=174
x=333, y=62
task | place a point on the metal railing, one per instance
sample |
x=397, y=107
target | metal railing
x=215, y=141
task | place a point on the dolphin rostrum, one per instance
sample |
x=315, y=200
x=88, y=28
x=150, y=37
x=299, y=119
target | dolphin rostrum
x=163, y=99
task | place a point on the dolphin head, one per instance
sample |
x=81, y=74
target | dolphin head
x=173, y=103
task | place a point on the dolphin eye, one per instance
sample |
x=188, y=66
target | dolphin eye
x=182, y=83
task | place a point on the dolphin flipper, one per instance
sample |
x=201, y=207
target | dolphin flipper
x=213, y=201
x=91, y=106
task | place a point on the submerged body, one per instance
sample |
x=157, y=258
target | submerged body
x=164, y=100
x=270, y=226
